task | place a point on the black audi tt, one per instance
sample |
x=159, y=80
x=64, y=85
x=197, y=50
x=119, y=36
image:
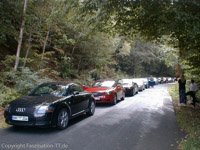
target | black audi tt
x=50, y=104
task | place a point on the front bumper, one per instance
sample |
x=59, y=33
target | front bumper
x=43, y=121
x=128, y=91
x=104, y=99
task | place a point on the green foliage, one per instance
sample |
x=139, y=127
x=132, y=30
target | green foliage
x=66, y=70
x=91, y=53
x=85, y=80
x=8, y=62
x=153, y=20
x=10, y=21
x=7, y=95
x=23, y=81
x=143, y=60
x=27, y=80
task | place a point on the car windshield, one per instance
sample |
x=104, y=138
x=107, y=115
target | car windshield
x=50, y=90
x=126, y=80
x=104, y=84
x=127, y=84
x=139, y=82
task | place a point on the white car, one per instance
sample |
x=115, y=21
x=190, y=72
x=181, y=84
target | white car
x=140, y=83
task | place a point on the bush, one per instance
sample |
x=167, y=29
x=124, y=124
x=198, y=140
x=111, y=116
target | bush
x=66, y=69
x=7, y=95
x=23, y=81
x=16, y=84
x=27, y=80
x=8, y=62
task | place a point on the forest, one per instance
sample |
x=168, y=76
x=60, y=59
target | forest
x=85, y=40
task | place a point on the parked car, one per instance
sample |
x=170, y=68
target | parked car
x=165, y=80
x=140, y=83
x=50, y=104
x=153, y=81
x=170, y=79
x=160, y=80
x=106, y=91
x=146, y=82
x=131, y=88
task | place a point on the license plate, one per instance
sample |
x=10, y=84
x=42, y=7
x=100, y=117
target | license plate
x=97, y=98
x=20, y=118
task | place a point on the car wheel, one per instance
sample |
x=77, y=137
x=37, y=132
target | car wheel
x=115, y=100
x=132, y=93
x=123, y=96
x=63, y=119
x=91, y=108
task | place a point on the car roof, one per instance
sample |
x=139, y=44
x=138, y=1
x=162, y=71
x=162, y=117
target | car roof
x=104, y=80
x=59, y=83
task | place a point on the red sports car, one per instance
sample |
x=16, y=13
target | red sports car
x=106, y=91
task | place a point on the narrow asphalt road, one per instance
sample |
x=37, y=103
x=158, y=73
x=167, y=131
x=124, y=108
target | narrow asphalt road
x=145, y=121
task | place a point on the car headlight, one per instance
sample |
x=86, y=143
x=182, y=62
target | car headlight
x=42, y=110
x=7, y=107
x=108, y=93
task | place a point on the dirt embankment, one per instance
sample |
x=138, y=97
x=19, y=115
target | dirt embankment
x=1, y=114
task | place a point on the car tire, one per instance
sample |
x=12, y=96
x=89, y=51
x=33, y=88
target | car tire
x=91, y=108
x=114, y=100
x=123, y=96
x=62, y=119
x=132, y=93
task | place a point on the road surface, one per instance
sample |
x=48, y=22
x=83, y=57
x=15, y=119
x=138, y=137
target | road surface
x=145, y=121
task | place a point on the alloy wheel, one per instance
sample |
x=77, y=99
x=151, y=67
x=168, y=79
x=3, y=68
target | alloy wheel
x=63, y=119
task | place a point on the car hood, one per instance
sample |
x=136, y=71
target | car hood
x=127, y=86
x=97, y=89
x=34, y=100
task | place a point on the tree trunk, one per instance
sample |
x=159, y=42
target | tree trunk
x=44, y=46
x=28, y=49
x=20, y=37
x=79, y=63
x=47, y=36
x=178, y=70
x=72, y=53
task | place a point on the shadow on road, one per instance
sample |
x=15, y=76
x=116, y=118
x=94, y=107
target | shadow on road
x=107, y=105
x=104, y=105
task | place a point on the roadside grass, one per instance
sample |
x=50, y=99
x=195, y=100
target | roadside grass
x=2, y=120
x=189, y=121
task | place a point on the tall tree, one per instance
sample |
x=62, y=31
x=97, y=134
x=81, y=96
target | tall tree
x=153, y=19
x=20, y=36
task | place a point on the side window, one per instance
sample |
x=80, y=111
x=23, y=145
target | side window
x=76, y=88
x=119, y=82
x=44, y=90
x=72, y=89
x=79, y=88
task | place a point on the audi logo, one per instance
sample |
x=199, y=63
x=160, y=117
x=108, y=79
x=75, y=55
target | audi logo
x=20, y=109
